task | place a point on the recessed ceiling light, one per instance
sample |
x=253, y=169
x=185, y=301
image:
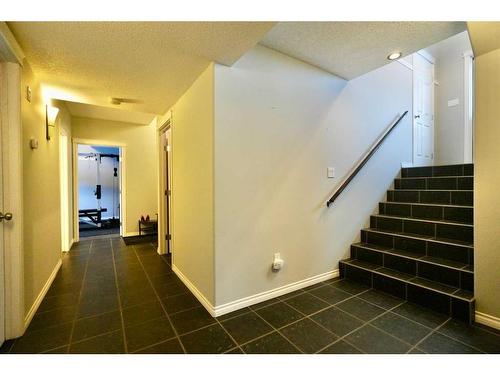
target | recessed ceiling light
x=394, y=56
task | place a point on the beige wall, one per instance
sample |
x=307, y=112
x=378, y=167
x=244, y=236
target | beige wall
x=279, y=123
x=42, y=234
x=141, y=163
x=486, y=184
x=64, y=124
x=192, y=184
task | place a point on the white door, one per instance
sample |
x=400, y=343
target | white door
x=2, y=268
x=423, y=111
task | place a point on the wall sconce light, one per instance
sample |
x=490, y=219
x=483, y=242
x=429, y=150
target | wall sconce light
x=50, y=119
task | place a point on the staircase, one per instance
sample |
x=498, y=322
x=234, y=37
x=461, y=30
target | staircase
x=420, y=245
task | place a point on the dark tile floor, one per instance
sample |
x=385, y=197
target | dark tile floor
x=113, y=298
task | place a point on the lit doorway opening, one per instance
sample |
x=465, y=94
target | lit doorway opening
x=98, y=190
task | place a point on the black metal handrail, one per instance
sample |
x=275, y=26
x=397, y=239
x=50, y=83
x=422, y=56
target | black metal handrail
x=365, y=159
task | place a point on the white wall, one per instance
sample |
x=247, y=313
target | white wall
x=279, y=123
x=449, y=121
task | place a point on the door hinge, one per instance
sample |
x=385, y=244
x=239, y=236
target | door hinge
x=168, y=237
x=168, y=192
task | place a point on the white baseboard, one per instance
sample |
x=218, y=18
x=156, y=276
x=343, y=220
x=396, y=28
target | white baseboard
x=273, y=293
x=199, y=295
x=256, y=298
x=488, y=320
x=41, y=295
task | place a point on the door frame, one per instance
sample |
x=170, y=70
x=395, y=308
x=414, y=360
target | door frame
x=162, y=218
x=12, y=166
x=123, y=198
x=64, y=178
x=427, y=56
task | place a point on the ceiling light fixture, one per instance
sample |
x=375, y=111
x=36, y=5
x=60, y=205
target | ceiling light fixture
x=394, y=56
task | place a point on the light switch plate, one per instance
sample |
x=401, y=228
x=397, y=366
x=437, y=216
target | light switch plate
x=330, y=172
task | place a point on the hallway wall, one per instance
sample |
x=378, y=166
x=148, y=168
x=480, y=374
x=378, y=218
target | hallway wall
x=41, y=198
x=141, y=163
x=192, y=184
x=279, y=123
x=486, y=182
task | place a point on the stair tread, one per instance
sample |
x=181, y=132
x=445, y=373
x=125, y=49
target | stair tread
x=411, y=279
x=409, y=178
x=395, y=274
x=446, y=241
x=423, y=220
x=430, y=204
x=445, y=262
x=448, y=289
x=413, y=190
x=425, y=258
x=465, y=294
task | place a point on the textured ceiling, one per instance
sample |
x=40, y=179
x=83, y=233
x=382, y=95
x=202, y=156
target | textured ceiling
x=107, y=113
x=350, y=49
x=153, y=62
x=485, y=36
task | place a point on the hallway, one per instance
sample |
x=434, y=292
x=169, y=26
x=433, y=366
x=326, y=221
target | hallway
x=113, y=298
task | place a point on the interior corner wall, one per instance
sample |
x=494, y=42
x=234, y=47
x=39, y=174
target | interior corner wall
x=279, y=123
x=486, y=182
x=41, y=198
x=193, y=185
x=64, y=123
x=141, y=163
x=450, y=121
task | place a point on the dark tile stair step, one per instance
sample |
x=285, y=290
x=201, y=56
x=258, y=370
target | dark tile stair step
x=431, y=211
x=435, y=183
x=448, y=197
x=458, y=251
x=439, y=170
x=435, y=228
x=459, y=266
x=437, y=296
x=453, y=274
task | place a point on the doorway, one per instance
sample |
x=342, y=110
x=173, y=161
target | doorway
x=165, y=198
x=166, y=138
x=2, y=266
x=98, y=188
x=423, y=110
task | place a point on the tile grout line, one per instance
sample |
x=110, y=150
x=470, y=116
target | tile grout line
x=304, y=316
x=120, y=307
x=159, y=300
x=427, y=336
x=80, y=297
